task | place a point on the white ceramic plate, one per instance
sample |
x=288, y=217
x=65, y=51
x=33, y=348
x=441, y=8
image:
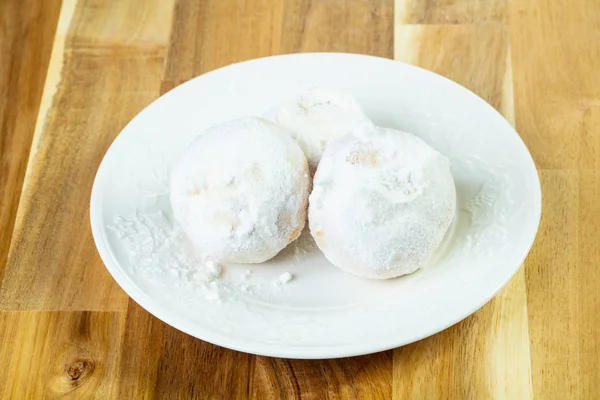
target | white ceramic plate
x=322, y=312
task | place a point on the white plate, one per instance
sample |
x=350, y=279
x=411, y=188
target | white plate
x=322, y=312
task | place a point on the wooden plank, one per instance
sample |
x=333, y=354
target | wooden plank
x=552, y=288
x=473, y=55
x=25, y=45
x=161, y=362
x=563, y=276
x=487, y=355
x=450, y=11
x=556, y=59
x=354, y=26
x=60, y=354
x=366, y=377
x=211, y=34
x=588, y=282
x=113, y=62
x=556, y=62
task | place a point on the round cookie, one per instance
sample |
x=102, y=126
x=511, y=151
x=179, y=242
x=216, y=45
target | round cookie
x=240, y=191
x=381, y=203
x=319, y=116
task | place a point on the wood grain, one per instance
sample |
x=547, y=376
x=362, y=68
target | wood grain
x=161, y=362
x=493, y=343
x=556, y=57
x=366, y=377
x=588, y=282
x=60, y=354
x=66, y=328
x=472, y=55
x=26, y=35
x=450, y=11
x=113, y=62
x=354, y=26
x=211, y=34
x=563, y=277
x=553, y=264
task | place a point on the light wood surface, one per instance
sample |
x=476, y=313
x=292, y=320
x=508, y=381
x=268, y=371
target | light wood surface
x=26, y=36
x=73, y=73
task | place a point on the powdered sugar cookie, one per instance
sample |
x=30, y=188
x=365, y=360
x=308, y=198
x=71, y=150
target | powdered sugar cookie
x=319, y=116
x=240, y=191
x=381, y=203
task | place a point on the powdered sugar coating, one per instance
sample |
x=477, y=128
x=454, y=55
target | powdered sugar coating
x=319, y=116
x=240, y=191
x=381, y=203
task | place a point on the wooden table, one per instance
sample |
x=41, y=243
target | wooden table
x=72, y=74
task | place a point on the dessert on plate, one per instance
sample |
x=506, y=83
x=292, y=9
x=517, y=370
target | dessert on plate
x=240, y=191
x=381, y=203
x=317, y=117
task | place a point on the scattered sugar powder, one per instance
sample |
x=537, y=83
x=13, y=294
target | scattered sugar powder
x=160, y=253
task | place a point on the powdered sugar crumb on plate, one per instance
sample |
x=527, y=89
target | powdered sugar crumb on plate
x=160, y=253
x=285, y=278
